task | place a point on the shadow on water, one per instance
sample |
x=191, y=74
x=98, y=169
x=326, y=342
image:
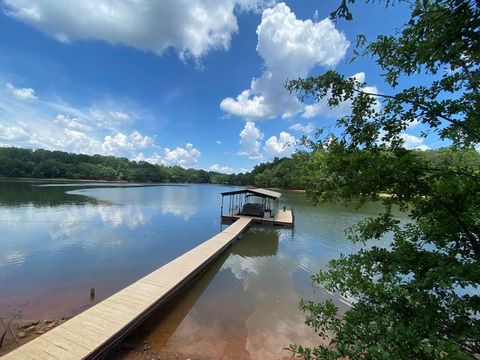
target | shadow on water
x=163, y=323
x=47, y=193
x=28, y=193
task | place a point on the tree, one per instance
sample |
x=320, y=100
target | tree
x=420, y=297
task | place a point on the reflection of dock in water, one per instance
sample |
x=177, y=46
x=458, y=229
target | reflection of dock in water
x=258, y=244
x=158, y=329
x=90, y=334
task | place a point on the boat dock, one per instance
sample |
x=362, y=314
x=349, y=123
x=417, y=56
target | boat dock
x=259, y=205
x=93, y=332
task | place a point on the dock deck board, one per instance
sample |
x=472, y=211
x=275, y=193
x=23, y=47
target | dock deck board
x=92, y=332
x=282, y=217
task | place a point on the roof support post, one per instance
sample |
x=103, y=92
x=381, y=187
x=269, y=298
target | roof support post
x=221, y=209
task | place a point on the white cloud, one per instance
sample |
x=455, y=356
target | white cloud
x=221, y=169
x=56, y=125
x=414, y=124
x=110, y=118
x=248, y=106
x=282, y=146
x=92, y=130
x=218, y=142
x=184, y=157
x=250, y=138
x=344, y=108
x=153, y=159
x=290, y=48
x=12, y=133
x=71, y=123
x=121, y=143
x=27, y=94
x=303, y=128
x=413, y=142
x=191, y=28
x=121, y=116
x=71, y=140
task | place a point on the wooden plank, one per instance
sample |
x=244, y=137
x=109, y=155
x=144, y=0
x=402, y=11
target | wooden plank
x=89, y=342
x=284, y=218
x=89, y=334
x=66, y=343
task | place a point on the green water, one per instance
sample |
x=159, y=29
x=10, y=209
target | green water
x=59, y=240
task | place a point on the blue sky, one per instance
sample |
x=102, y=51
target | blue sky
x=193, y=83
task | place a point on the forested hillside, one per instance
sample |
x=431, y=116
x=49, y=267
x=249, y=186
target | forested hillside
x=288, y=173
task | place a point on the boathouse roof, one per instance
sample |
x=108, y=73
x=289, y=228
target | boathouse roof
x=256, y=191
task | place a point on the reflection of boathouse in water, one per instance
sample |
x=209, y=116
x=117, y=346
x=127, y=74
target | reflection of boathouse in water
x=261, y=205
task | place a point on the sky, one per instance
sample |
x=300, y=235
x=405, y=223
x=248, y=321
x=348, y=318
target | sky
x=177, y=82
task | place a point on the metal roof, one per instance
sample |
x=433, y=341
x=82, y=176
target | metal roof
x=257, y=191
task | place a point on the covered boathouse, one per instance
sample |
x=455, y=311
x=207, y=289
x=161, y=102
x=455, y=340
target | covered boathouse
x=261, y=205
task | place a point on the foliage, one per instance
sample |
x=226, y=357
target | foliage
x=419, y=298
x=15, y=162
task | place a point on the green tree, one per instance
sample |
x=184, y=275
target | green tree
x=420, y=297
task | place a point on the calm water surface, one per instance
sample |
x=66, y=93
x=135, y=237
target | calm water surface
x=59, y=240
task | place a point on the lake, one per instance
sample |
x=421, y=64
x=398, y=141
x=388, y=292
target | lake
x=59, y=240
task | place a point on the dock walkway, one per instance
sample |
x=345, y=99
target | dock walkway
x=91, y=333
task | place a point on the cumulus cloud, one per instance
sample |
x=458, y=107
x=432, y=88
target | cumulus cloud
x=71, y=140
x=120, y=143
x=221, y=169
x=250, y=141
x=414, y=142
x=21, y=93
x=303, y=128
x=185, y=157
x=290, y=48
x=191, y=28
x=12, y=133
x=153, y=159
x=282, y=146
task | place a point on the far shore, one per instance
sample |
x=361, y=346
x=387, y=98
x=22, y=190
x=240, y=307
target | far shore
x=292, y=190
x=65, y=180
x=381, y=195
x=121, y=182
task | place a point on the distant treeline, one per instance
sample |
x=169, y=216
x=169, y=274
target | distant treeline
x=289, y=173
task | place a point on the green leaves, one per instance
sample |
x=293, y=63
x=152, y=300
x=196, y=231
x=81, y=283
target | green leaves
x=420, y=297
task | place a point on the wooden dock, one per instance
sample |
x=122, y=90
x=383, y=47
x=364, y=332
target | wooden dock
x=259, y=205
x=281, y=218
x=93, y=332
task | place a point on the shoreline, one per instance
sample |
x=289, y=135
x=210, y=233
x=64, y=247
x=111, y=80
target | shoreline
x=66, y=180
x=100, y=181
x=281, y=189
x=19, y=332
